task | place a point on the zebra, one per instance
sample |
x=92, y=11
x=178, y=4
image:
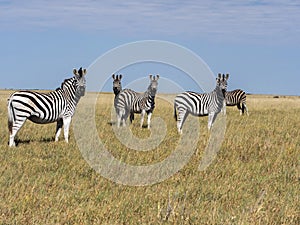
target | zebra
x=117, y=86
x=42, y=108
x=201, y=104
x=236, y=97
x=130, y=102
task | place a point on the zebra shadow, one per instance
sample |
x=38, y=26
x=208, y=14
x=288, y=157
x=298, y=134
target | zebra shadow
x=28, y=141
x=111, y=123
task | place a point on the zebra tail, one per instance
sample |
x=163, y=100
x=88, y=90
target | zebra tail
x=10, y=115
x=175, y=113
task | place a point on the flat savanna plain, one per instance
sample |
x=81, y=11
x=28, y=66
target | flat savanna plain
x=254, y=178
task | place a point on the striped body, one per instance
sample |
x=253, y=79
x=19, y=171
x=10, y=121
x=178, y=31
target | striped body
x=207, y=104
x=42, y=108
x=237, y=98
x=129, y=102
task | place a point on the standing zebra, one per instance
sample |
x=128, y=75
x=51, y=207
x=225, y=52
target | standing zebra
x=236, y=97
x=57, y=106
x=117, y=86
x=130, y=102
x=201, y=104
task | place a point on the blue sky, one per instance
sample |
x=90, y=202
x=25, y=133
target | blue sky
x=257, y=42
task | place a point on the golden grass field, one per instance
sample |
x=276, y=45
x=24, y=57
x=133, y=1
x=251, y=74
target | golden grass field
x=254, y=179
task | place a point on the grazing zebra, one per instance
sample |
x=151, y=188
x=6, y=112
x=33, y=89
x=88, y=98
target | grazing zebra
x=117, y=86
x=130, y=102
x=201, y=104
x=236, y=97
x=57, y=106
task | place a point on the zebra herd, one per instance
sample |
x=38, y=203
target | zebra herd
x=59, y=105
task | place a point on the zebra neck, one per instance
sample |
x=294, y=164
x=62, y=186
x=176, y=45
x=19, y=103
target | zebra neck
x=149, y=95
x=116, y=91
x=219, y=93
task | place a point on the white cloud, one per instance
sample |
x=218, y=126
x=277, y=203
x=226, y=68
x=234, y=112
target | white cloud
x=231, y=20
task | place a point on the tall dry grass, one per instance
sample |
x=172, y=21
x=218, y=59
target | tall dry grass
x=253, y=180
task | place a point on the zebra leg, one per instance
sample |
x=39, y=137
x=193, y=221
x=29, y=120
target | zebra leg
x=118, y=119
x=66, y=123
x=131, y=116
x=59, y=125
x=182, y=115
x=14, y=125
x=211, y=118
x=124, y=117
x=240, y=108
x=245, y=108
x=120, y=115
x=223, y=110
x=149, y=119
x=142, y=117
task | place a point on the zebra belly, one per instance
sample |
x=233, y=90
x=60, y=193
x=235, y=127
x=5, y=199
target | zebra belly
x=39, y=120
x=199, y=115
x=230, y=104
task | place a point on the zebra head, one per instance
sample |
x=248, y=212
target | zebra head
x=117, y=87
x=153, y=85
x=222, y=82
x=79, y=82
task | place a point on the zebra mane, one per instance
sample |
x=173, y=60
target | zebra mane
x=65, y=81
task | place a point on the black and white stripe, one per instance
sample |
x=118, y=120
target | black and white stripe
x=117, y=86
x=237, y=97
x=57, y=106
x=130, y=102
x=201, y=104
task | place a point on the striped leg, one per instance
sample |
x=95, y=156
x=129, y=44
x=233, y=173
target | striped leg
x=67, y=122
x=15, y=127
x=182, y=115
x=120, y=116
x=142, y=117
x=125, y=116
x=15, y=121
x=211, y=118
x=149, y=119
x=59, y=125
x=245, y=108
x=223, y=110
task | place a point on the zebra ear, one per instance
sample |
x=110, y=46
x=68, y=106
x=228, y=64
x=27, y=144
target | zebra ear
x=84, y=72
x=219, y=75
x=75, y=72
x=157, y=76
x=120, y=76
x=227, y=76
x=150, y=76
x=113, y=76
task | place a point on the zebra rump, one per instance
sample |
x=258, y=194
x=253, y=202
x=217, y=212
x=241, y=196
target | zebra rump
x=237, y=97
